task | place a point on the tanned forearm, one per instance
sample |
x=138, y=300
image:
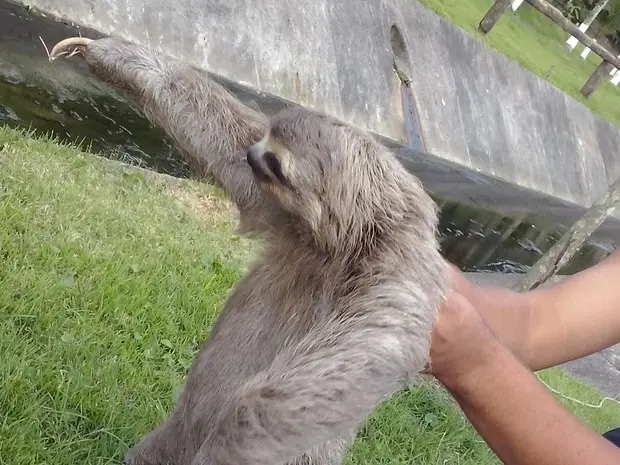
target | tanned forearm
x=553, y=325
x=577, y=317
x=520, y=420
x=507, y=313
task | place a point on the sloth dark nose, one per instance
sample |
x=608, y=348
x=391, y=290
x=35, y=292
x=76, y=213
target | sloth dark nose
x=254, y=156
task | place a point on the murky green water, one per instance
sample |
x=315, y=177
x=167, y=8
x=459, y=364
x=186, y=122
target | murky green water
x=62, y=99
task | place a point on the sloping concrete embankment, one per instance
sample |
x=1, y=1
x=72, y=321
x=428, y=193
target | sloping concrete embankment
x=473, y=106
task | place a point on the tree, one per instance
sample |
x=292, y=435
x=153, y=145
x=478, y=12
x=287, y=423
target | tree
x=596, y=10
x=609, y=19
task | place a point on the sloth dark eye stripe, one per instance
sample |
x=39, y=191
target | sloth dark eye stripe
x=274, y=166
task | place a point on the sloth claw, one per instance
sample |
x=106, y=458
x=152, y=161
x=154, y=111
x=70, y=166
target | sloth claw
x=69, y=47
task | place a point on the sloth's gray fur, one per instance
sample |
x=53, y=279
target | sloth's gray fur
x=336, y=314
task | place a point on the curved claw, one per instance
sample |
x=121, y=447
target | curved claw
x=69, y=47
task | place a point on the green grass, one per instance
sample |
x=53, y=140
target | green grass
x=537, y=44
x=110, y=278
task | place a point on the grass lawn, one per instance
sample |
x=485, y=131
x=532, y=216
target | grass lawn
x=109, y=281
x=538, y=45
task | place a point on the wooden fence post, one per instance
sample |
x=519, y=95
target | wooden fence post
x=493, y=15
x=597, y=78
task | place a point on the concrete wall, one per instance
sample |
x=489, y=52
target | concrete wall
x=473, y=106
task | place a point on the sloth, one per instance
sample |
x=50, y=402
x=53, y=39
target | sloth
x=335, y=315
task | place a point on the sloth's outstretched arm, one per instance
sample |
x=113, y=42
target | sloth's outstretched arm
x=324, y=388
x=212, y=128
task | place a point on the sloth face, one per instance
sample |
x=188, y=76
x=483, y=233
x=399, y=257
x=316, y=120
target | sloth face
x=319, y=169
x=289, y=177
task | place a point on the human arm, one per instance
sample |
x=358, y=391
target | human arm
x=518, y=418
x=552, y=325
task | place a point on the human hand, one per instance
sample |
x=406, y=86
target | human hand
x=461, y=342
